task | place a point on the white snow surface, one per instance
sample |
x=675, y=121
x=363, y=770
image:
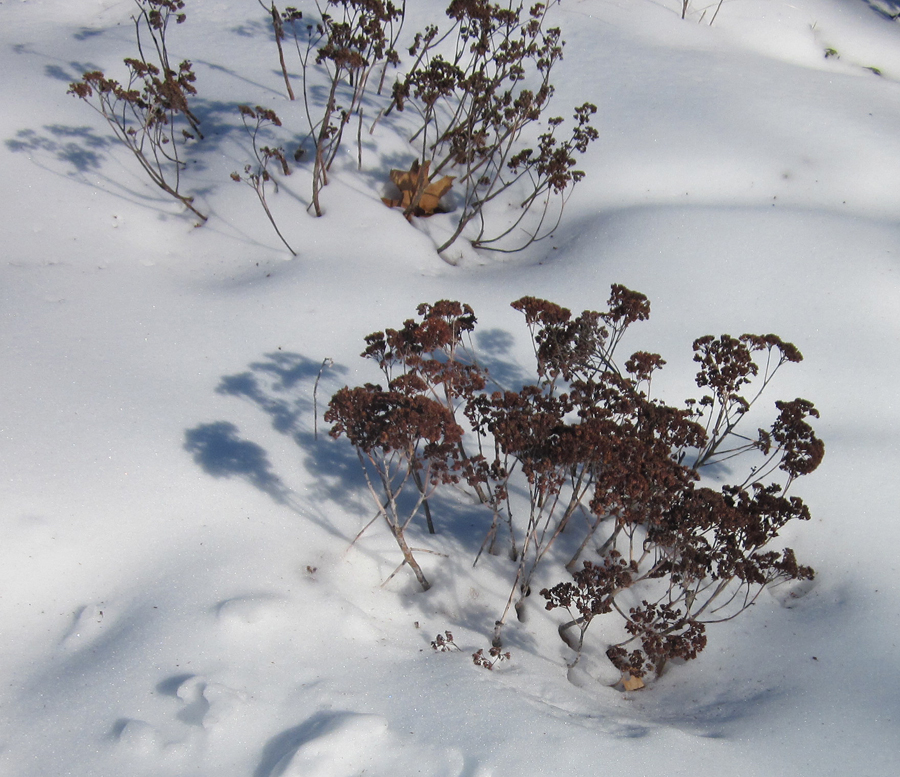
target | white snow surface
x=178, y=590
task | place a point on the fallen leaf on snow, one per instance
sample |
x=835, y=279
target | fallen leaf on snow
x=419, y=196
x=632, y=683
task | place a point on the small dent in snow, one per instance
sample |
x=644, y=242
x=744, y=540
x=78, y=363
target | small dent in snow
x=138, y=736
x=787, y=593
x=248, y=610
x=87, y=624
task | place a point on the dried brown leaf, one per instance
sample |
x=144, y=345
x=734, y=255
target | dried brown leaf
x=419, y=196
x=632, y=683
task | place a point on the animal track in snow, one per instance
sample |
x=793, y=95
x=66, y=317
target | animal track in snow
x=346, y=744
x=204, y=703
x=138, y=736
x=248, y=610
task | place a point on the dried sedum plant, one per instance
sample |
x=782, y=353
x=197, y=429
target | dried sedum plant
x=479, y=92
x=257, y=176
x=603, y=464
x=146, y=112
x=478, y=89
x=351, y=42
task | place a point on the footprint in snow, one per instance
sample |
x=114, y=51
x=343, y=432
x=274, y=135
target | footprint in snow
x=346, y=744
x=203, y=702
x=138, y=736
x=248, y=610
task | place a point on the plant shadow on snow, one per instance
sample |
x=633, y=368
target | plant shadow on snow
x=285, y=387
x=217, y=448
x=293, y=391
x=73, y=151
x=255, y=28
x=79, y=147
x=708, y=713
x=493, y=347
x=886, y=9
x=73, y=72
x=282, y=385
x=79, y=153
x=361, y=142
x=86, y=33
x=235, y=75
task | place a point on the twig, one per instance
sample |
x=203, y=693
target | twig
x=326, y=362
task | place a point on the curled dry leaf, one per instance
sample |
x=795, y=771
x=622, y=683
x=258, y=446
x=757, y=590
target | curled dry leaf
x=419, y=196
x=631, y=683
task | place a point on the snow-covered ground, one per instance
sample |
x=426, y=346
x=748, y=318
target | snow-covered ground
x=178, y=594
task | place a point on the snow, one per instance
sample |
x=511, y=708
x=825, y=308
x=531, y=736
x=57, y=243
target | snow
x=178, y=590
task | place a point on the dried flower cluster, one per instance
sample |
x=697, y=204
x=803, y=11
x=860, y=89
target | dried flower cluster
x=495, y=656
x=145, y=112
x=476, y=89
x=479, y=91
x=600, y=461
x=258, y=176
x=443, y=643
x=408, y=433
x=339, y=53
